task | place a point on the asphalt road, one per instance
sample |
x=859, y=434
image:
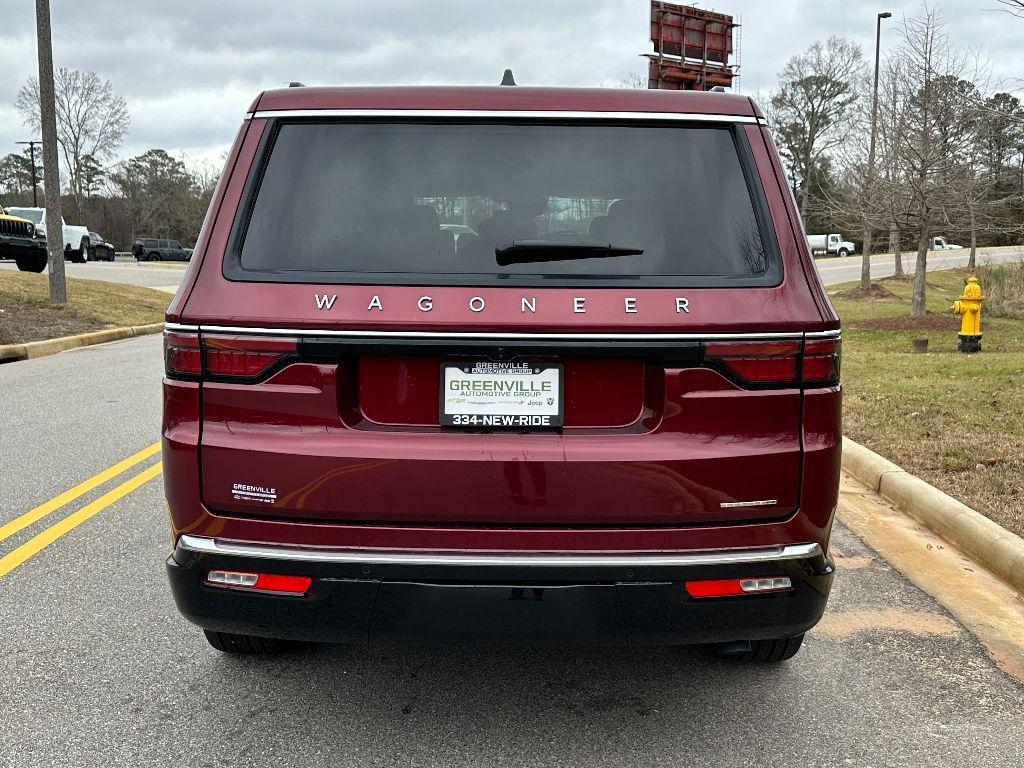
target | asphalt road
x=98, y=669
x=165, y=276
x=833, y=270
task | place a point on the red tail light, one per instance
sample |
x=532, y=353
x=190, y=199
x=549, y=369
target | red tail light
x=821, y=361
x=244, y=357
x=181, y=355
x=756, y=362
x=777, y=363
x=227, y=358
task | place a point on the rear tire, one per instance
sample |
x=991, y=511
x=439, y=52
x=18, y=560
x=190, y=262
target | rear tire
x=248, y=645
x=759, y=651
x=154, y=257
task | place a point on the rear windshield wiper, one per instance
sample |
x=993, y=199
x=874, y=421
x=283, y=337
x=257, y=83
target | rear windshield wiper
x=530, y=251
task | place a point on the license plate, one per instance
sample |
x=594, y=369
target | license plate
x=501, y=395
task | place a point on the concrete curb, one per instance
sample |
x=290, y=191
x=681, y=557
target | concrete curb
x=974, y=534
x=34, y=349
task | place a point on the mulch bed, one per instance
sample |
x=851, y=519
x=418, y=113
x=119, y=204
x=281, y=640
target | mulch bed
x=876, y=292
x=929, y=322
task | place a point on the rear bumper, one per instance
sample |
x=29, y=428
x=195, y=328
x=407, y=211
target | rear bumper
x=361, y=596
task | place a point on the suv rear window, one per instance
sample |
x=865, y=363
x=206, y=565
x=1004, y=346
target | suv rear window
x=383, y=201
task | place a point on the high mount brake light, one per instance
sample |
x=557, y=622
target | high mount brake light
x=217, y=357
x=777, y=363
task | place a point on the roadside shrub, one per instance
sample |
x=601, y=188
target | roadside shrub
x=1003, y=287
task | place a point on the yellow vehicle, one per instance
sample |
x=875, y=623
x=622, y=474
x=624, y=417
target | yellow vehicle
x=20, y=241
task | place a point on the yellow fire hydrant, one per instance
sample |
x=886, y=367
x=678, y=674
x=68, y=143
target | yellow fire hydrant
x=968, y=307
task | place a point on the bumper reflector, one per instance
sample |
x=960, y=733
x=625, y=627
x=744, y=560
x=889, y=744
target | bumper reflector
x=733, y=587
x=260, y=582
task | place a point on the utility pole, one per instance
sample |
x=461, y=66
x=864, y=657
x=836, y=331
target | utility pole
x=32, y=159
x=865, y=263
x=47, y=114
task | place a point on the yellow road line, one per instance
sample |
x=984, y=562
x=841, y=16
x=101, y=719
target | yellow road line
x=9, y=529
x=15, y=558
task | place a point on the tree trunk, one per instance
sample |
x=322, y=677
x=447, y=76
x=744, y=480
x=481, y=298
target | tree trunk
x=865, y=262
x=805, y=192
x=48, y=118
x=894, y=246
x=917, y=306
x=972, y=262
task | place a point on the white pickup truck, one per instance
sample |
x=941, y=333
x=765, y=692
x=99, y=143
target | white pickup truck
x=833, y=245
x=940, y=244
x=76, y=238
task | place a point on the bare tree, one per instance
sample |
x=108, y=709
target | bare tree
x=91, y=120
x=633, y=80
x=979, y=202
x=892, y=117
x=933, y=134
x=816, y=90
x=1016, y=7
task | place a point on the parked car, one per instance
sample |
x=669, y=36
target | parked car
x=940, y=244
x=100, y=249
x=75, y=237
x=152, y=249
x=831, y=245
x=20, y=241
x=623, y=432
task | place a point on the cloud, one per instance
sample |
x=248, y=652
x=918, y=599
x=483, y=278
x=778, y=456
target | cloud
x=189, y=68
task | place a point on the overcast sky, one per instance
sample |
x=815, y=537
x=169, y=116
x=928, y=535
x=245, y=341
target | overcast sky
x=189, y=68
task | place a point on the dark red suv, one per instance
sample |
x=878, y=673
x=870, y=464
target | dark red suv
x=502, y=364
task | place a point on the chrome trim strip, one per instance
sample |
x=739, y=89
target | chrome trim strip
x=516, y=114
x=371, y=334
x=496, y=336
x=758, y=503
x=534, y=559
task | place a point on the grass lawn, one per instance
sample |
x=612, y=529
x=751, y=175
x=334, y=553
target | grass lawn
x=26, y=315
x=956, y=421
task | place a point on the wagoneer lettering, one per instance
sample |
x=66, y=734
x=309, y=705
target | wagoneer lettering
x=478, y=304
x=499, y=384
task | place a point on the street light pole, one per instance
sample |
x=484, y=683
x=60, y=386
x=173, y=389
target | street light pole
x=48, y=118
x=32, y=159
x=865, y=263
